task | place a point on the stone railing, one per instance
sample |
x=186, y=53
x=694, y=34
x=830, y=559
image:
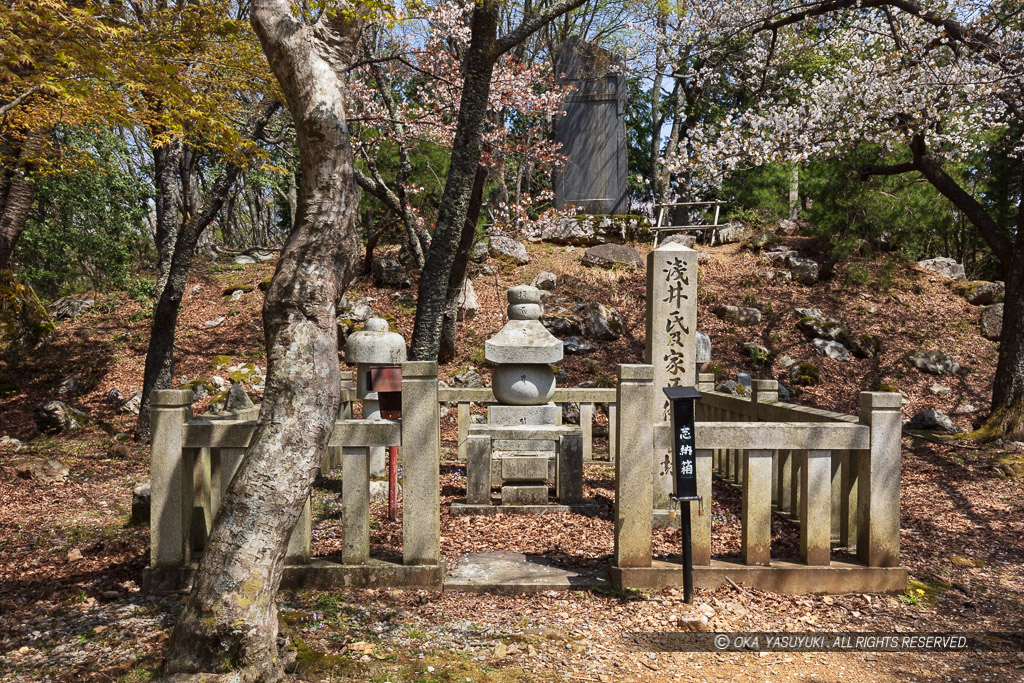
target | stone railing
x=587, y=398
x=835, y=474
x=194, y=459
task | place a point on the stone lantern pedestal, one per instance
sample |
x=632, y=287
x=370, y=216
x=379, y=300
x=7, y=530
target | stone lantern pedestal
x=523, y=446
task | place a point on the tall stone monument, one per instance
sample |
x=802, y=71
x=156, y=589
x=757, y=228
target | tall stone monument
x=671, y=346
x=592, y=130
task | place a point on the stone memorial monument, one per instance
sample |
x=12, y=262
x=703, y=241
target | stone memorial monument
x=671, y=347
x=593, y=129
x=523, y=447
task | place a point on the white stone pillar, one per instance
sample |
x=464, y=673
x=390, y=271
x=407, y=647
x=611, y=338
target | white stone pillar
x=170, y=471
x=878, y=481
x=671, y=342
x=633, y=494
x=421, y=464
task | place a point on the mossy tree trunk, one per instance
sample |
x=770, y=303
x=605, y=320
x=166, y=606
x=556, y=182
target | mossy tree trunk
x=229, y=626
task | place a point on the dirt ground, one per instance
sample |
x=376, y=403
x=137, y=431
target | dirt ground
x=70, y=561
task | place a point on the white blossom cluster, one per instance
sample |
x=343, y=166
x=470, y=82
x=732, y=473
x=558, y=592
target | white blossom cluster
x=864, y=75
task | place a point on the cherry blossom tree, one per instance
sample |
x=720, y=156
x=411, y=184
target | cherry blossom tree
x=936, y=82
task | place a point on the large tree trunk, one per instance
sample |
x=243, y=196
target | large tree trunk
x=485, y=47
x=449, y=337
x=433, y=293
x=1007, y=417
x=229, y=623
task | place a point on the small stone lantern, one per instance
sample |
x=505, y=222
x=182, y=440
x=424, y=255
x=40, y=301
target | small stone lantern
x=378, y=355
x=523, y=351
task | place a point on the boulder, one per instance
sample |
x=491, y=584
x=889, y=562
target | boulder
x=702, y=348
x=215, y=322
x=141, y=498
x=804, y=374
x=562, y=325
x=832, y=349
x=478, y=252
x=10, y=442
x=468, y=379
x=815, y=324
x=56, y=417
x=613, y=255
x=778, y=254
x=784, y=393
x=679, y=238
x=357, y=313
x=587, y=230
x=379, y=491
x=865, y=345
x=67, y=308
x=938, y=390
x=133, y=404
x=934, y=362
x=946, y=267
x=760, y=240
x=982, y=293
x=574, y=346
x=757, y=353
x=738, y=315
x=467, y=301
x=745, y=380
x=237, y=294
x=933, y=419
x=805, y=270
x=388, y=272
x=545, y=280
x=570, y=413
x=788, y=227
x=507, y=248
x=114, y=396
x=237, y=399
x=992, y=322
x=72, y=384
x=602, y=322
x=732, y=232
x=245, y=260
x=41, y=470
x=731, y=386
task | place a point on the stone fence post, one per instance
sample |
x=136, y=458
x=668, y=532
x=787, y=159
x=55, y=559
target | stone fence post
x=421, y=464
x=634, y=486
x=878, y=481
x=170, y=479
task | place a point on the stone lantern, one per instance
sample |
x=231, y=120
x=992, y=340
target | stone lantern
x=378, y=355
x=523, y=351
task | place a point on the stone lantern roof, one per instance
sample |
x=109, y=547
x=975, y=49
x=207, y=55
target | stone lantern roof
x=523, y=340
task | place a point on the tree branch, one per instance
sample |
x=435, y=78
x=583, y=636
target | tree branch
x=7, y=106
x=869, y=170
x=530, y=24
x=1002, y=247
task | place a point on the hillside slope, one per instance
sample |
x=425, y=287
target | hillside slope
x=908, y=309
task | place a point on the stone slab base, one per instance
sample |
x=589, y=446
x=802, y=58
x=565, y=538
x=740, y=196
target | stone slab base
x=782, y=576
x=585, y=507
x=507, y=573
x=320, y=573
